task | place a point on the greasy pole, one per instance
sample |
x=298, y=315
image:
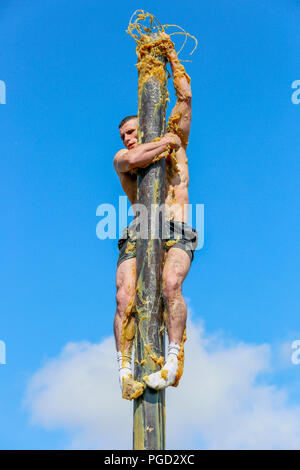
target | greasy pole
x=149, y=408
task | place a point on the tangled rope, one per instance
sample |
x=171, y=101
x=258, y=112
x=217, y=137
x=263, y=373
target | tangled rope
x=137, y=29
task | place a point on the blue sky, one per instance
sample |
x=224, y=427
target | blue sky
x=70, y=76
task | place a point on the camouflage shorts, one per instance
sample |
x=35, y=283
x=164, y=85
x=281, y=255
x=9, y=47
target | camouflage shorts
x=179, y=235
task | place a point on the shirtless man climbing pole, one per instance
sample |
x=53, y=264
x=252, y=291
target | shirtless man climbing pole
x=180, y=251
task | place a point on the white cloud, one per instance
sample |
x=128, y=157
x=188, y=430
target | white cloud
x=226, y=401
x=79, y=392
x=222, y=401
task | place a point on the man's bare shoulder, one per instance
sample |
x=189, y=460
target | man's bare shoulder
x=119, y=154
x=118, y=157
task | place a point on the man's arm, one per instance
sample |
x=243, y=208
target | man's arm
x=181, y=115
x=144, y=154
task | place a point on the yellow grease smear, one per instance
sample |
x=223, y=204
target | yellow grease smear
x=149, y=247
x=128, y=332
x=140, y=363
x=158, y=360
x=140, y=290
x=151, y=66
x=171, y=242
x=130, y=247
x=180, y=360
x=132, y=389
x=149, y=51
x=156, y=190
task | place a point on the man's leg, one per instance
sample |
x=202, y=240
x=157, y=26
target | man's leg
x=175, y=270
x=124, y=322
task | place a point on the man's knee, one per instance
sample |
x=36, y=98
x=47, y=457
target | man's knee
x=124, y=300
x=171, y=286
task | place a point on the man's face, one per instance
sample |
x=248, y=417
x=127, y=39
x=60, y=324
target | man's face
x=128, y=133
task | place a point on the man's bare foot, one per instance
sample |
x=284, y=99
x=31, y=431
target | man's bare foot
x=167, y=375
x=164, y=377
x=132, y=389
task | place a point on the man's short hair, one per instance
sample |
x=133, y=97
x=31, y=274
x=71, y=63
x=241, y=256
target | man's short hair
x=127, y=118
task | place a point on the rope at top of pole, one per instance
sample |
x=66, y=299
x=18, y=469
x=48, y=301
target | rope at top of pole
x=138, y=30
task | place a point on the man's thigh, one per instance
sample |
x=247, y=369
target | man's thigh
x=177, y=265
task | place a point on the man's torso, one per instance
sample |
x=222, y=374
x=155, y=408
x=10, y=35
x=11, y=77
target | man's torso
x=176, y=188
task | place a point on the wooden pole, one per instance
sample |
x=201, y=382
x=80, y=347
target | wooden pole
x=149, y=409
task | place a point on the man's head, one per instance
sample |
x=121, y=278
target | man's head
x=128, y=131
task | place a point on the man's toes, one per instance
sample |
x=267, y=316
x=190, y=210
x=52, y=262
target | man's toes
x=132, y=389
x=156, y=380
